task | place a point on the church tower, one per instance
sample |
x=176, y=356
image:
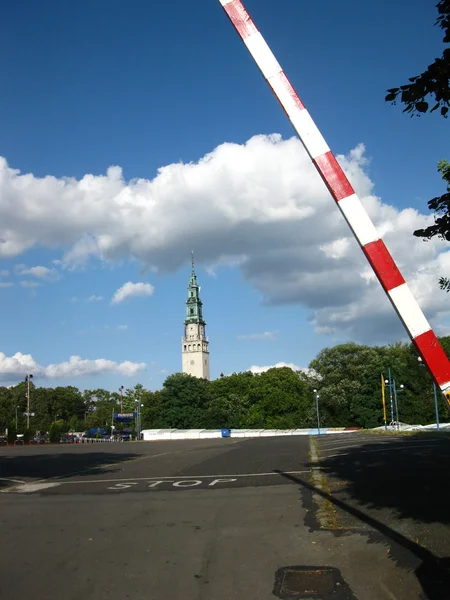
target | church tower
x=194, y=345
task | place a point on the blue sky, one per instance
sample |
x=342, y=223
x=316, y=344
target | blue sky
x=87, y=86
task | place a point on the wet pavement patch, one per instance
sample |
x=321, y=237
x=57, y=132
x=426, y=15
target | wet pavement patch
x=324, y=583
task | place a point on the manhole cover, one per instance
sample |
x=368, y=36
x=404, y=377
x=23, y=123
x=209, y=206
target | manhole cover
x=311, y=582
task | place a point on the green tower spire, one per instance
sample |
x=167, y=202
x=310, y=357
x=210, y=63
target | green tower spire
x=194, y=306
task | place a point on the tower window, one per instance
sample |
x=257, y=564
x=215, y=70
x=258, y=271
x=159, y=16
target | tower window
x=185, y=347
x=192, y=293
x=192, y=311
x=198, y=346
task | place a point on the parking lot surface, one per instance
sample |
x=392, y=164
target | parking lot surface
x=228, y=518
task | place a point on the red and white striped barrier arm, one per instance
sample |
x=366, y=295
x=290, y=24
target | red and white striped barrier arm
x=348, y=202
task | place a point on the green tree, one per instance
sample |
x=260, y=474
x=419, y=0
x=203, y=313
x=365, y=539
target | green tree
x=228, y=411
x=98, y=407
x=281, y=399
x=12, y=434
x=183, y=401
x=55, y=432
x=132, y=398
x=348, y=377
x=75, y=424
x=434, y=83
x=8, y=408
x=151, y=411
x=441, y=207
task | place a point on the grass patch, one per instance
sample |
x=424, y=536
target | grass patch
x=326, y=512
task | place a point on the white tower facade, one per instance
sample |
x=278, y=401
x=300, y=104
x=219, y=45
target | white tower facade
x=195, y=345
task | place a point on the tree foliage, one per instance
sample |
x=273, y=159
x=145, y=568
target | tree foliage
x=441, y=207
x=348, y=377
x=432, y=86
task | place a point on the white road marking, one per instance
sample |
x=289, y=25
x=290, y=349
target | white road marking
x=376, y=439
x=175, y=477
x=221, y=481
x=377, y=450
x=360, y=441
x=187, y=483
x=13, y=480
x=121, y=486
x=156, y=483
x=29, y=488
x=390, y=444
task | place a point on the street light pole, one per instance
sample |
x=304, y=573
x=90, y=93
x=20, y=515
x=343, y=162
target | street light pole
x=27, y=379
x=396, y=391
x=121, y=391
x=16, y=418
x=436, y=405
x=317, y=411
x=138, y=420
x=390, y=397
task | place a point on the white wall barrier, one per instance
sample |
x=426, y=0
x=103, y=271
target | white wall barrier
x=150, y=435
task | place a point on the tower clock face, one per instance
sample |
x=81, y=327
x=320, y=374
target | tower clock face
x=192, y=362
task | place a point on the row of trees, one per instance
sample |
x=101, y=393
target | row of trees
x=348, y=377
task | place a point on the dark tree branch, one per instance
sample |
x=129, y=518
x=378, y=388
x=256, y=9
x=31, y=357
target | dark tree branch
x=432, y=87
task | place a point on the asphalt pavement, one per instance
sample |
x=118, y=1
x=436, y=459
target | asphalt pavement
x=354, y=516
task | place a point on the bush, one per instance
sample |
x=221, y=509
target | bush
x=28, y=435
x=55, y=433
x=12, y=435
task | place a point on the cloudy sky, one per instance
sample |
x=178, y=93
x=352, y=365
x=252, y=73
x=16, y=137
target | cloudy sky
x=129, y=137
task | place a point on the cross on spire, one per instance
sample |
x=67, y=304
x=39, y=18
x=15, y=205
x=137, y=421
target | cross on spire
x=192, y=260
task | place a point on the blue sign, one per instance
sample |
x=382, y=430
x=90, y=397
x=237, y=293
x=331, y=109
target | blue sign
x=124, y=417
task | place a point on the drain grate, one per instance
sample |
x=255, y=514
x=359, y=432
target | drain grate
x=324, y=583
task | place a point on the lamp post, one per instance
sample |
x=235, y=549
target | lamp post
x=27, y=379
x=17, y=426
x=397, y=391
x=317, y=410
x=436, y=406
x=388, y=382
x=121, y=392
x=138, y=419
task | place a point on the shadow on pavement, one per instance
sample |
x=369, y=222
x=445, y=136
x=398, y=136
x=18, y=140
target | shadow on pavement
x=59, y=464
x=433, y=573
x=410, y=477
x=414, y=484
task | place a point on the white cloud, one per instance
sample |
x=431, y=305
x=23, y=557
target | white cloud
x=30, y=284
x=279, y=365
x=20, y=364
x=4, y=273
x=129, y=289
x=256, y=370
x=6, y=284
x=38, y=271
x=122, y=327
x=261, y=206
x=265, y=335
